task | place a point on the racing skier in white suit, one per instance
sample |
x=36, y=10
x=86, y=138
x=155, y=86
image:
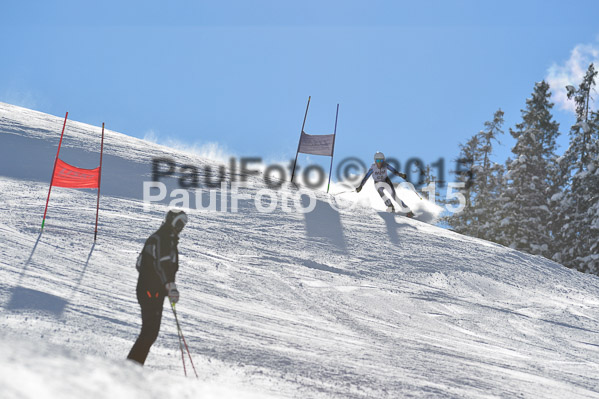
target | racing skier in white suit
x=378, y=171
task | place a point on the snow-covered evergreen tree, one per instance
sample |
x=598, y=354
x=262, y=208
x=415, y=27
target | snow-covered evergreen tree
x=590, y=201
x=481, y=178
x=468, y=158
x=579, y=208
x=489, y=178
x=431, y=185
x=530, y=178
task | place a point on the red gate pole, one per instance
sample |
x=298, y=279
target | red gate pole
x=54, y=169
x=99, y=182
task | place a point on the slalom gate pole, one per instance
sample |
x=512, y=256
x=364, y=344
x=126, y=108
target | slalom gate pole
x=183, y=338
x=99, y=183
x=333, y=152
x=54, y=169
x=300, y=139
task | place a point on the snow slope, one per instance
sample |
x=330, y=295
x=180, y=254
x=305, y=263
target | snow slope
x=326, y=304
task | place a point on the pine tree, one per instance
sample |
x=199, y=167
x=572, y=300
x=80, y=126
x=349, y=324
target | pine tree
x=590, y=241
x=525, y=201
x=489, y=180
x=481, y=178
x=581, y=133
x=579, y=233
x=431, y=185
x=467, y=162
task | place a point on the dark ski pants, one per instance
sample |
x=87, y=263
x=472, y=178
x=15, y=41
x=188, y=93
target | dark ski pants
x=151, y=316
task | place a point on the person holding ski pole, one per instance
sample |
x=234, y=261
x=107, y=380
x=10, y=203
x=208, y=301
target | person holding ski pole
x=157, y=265
x=378, y=171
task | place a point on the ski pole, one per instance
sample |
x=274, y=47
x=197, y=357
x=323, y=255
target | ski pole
x=182, y=353
x=416, y=192
x=412, y=187
x=180, y=331
x=182, y=337
x=342, y=192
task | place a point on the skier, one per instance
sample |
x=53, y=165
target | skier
x=378, y=170
x=157, y=265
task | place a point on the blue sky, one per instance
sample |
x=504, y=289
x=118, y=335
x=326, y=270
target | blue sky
x=413, y=79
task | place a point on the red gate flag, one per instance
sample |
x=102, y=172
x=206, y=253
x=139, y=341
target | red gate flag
x=69, y=176
x=72, y=177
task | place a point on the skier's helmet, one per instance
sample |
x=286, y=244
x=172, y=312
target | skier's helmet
x=379, y=159
x=176, y=220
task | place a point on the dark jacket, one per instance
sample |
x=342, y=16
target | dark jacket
x=158, y=263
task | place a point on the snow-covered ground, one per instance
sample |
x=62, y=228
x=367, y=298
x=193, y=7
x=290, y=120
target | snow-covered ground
x=325, y=304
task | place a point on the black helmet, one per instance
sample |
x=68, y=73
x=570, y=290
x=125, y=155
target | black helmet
x=175, y=219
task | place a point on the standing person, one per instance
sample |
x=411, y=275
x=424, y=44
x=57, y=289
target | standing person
x=157, y=264
x=378, y=170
